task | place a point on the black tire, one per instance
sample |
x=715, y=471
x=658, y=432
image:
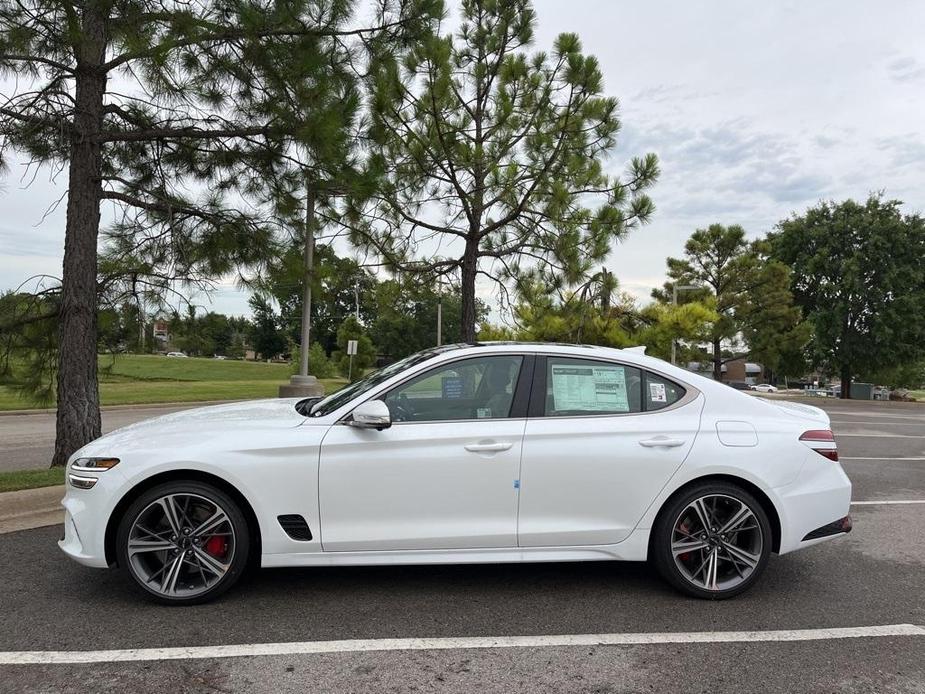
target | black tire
x=235, y=527
x=669, y=528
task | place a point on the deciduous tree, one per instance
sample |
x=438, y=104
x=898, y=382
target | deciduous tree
x=859, y=276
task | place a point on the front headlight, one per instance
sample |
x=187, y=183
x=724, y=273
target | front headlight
x=85, y=465
x=94, y=464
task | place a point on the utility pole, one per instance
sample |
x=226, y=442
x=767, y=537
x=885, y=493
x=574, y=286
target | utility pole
x=303, y=384
x=674, y=302
x=439, y=312
x=356, y=298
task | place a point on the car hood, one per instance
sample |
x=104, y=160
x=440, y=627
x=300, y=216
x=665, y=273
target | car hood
x=233, y=419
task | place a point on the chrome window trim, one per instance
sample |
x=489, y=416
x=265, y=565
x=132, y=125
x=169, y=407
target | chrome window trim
x=691, y=392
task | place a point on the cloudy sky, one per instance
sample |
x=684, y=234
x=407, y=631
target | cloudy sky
x=755, y=109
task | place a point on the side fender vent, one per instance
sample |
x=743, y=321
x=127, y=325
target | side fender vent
x=295, y=527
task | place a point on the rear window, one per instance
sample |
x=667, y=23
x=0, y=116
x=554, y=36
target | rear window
x=660, y=392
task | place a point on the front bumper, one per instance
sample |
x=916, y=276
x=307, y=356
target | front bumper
x=86, y=513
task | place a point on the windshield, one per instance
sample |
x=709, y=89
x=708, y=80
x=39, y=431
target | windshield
x=340, y=397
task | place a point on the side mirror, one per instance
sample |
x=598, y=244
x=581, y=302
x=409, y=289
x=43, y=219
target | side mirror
x=373, y=414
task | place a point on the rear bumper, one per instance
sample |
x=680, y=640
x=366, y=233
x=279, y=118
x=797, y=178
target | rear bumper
x=840, y=527
x=808, y=505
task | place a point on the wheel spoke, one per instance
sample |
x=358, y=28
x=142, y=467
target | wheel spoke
x=210, y=523
x=700, y=508
x=712, y=570
x=740, y=555
x=210, y=563
x=137, y=546
x=690, y=546
x=169, y=584
x=741, y=516
x=170, y=513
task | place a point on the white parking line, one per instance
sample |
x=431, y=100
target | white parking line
x=452, y=643
x=888, y=502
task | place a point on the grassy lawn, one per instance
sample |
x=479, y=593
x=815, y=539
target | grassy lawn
x=917, y=394
x=130, y=379
x=30, y=479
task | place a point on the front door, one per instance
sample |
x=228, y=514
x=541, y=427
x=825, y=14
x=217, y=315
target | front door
x=603, y=439
x=443, y=475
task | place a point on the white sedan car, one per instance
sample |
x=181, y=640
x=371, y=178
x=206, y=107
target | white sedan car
x=499, y=452
x=765, y=388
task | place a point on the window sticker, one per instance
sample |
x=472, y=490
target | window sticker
x=452, y=387
x=483, y=412
x=657, y=392
x=589, y=388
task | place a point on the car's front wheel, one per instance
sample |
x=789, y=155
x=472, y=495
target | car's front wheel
x=713, y=541
x=183, y=542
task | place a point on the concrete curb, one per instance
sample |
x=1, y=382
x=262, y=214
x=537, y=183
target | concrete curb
x=31, y=508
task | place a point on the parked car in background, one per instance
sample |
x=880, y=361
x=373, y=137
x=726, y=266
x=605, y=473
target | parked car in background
x=764, y=388
x=739, y=385
x=176, y=354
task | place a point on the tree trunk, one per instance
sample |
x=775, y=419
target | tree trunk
x=78, y=417
x=717, y=361
x=470, y=265
x=845, y=382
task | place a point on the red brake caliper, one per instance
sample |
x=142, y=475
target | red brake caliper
x=215, y=546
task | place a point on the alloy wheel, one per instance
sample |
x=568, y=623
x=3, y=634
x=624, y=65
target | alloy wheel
x=181, y=545
x=716, y=542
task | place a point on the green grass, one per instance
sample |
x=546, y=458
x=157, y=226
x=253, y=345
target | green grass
x=131, y=379
x=30, y=479
x=917, y=394
x=153, y=367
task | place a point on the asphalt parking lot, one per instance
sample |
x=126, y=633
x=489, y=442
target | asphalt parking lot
x=843, y=616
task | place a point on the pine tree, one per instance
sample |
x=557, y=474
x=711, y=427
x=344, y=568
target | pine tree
x=167, y=109
x=492, y=160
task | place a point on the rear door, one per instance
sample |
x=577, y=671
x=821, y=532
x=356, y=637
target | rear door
x=601, y=441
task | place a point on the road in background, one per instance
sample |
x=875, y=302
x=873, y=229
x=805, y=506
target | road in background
x=27, y=441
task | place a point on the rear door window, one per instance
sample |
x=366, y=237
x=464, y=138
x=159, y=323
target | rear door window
x=660, y=392
x=587, y=387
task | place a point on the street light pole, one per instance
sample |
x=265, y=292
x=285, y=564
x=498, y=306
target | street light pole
x=439, y=313
x=674, y=302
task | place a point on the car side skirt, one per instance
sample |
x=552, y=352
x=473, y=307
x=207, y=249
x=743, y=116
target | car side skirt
x=633, y=548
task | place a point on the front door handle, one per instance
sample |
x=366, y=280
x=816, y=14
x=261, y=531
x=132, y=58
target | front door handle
x=487, y=447
x=661, y=442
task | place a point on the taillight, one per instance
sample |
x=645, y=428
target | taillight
x=824, y=440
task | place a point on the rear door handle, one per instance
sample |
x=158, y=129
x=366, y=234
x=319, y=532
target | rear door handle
x=487, y=447
x=661, y=442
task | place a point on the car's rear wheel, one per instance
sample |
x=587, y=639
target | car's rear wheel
x=713, y=541
x=183, y=542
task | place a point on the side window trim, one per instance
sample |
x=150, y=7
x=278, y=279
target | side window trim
x=537, y=406
x=523, y=387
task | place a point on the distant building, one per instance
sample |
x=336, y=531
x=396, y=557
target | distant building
x=737, y=370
